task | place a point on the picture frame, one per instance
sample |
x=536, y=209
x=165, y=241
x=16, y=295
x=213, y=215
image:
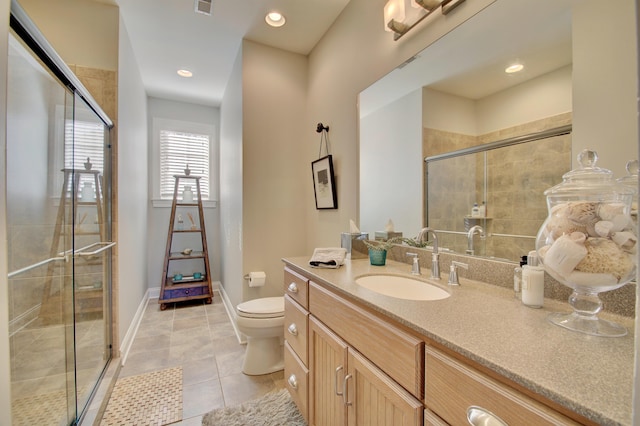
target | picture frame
x=324, y=185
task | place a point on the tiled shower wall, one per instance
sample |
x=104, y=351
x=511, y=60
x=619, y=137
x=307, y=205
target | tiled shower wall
x=517, y=177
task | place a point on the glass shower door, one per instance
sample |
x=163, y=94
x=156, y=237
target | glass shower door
x=59, y=256
x=89, y=162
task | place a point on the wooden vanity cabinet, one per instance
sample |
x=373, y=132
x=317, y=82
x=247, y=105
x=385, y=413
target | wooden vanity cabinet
x=296, y=325
x=346, y=387
x=453, y=387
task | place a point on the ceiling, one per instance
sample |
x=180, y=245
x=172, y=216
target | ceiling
x=167, y=35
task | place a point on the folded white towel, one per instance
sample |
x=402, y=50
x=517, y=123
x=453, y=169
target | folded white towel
x=329, y=257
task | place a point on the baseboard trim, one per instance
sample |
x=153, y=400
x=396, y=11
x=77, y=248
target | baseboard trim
x=231, y=311
x=133, y=327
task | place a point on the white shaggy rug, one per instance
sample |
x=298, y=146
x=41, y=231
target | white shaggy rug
x=273, y=409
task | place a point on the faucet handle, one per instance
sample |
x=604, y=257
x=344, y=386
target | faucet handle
x=453, y=272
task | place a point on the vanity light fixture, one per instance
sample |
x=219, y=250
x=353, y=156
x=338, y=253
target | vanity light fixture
x=275, y=19
x=185, y=73
x=397, y=21
x=393, y=17
x=514, y=68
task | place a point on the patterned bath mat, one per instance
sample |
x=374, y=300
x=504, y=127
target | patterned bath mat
x=148, y=399
x=273, y=409
x=40, y=409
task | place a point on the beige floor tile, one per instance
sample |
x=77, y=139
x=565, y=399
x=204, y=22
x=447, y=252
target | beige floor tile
x=192, y=421
x=200, y=398
x=190, y=323
x=151, y=343
x=199, y=371
x=239, y=388
x=229, y=344
x=229, y=364
x=222, y=330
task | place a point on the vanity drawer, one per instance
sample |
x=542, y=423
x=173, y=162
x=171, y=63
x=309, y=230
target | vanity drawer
x=296, y=377
x=445, y=376
x=398, y=354
x=296, y=286
x=295, y=327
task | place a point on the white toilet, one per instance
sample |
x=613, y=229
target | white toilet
x=262, y=321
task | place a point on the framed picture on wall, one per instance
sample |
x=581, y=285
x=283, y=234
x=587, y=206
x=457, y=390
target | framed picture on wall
x=324, y=185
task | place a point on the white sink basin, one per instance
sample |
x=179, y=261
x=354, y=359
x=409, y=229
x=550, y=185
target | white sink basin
x=402, y=287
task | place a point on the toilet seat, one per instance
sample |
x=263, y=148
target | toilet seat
x=267, y=307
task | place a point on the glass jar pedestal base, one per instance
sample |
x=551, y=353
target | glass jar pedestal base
x=584, y=318
x=587, y=324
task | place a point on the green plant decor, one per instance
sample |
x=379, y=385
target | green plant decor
x=378, y=250
x=412, y=242
x=381, y=245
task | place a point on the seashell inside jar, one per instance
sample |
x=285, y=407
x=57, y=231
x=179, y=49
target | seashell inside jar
x=588, y=243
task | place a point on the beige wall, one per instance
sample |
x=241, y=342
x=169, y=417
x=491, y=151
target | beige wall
x=605, y=114
x=273, y=163
x=82, y=32
x=351, y=56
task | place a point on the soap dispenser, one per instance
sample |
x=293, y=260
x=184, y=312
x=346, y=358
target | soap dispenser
x=517, y=278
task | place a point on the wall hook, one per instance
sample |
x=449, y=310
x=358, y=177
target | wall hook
x=322, y=128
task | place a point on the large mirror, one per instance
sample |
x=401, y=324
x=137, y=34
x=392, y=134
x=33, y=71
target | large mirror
x=454, y=98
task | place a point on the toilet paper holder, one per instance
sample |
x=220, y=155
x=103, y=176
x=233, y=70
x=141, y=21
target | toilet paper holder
x=256, y=279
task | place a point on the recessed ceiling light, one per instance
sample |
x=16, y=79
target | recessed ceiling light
x=514, y=68
x=185, y=73
x=275, y=19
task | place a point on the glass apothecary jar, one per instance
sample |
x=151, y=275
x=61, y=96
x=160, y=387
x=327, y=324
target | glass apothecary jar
x=588, y=243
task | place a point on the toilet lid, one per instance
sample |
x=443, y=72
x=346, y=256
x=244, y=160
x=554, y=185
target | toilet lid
x=267, y=307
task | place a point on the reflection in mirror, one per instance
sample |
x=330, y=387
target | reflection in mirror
x=506, y=179
x=455, y=95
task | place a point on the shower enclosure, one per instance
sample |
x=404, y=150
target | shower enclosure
x=59, y=234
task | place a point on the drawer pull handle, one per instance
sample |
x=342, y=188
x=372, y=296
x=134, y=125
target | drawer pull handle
x=292, y=329
x=293, y=382
x=293, y=288
x=335, y=382
x=478, y=416
x=345, y=398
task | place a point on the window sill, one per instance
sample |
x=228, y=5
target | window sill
x=208, y=204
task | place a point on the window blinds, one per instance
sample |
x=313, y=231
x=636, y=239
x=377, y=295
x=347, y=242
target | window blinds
x=177, y=150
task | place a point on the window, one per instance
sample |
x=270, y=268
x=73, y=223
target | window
x=177, y=150
x=84, y=139
x=177, y=143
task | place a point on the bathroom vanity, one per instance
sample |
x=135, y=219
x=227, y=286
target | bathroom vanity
x=353, y=356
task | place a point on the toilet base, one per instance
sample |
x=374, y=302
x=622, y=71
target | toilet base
x=263, y=356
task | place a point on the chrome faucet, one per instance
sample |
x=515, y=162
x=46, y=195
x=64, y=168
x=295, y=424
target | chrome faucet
x=415, y=267
x=473, y=231
x=423, y=235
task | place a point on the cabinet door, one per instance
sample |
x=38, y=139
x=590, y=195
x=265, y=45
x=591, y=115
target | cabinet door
x=327, y=369
x=374, y=399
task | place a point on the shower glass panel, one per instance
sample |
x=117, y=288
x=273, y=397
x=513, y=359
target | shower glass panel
x=59, y=252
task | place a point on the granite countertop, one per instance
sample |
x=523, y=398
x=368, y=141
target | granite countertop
x=592, y=376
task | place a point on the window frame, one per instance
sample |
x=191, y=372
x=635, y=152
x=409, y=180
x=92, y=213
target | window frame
x=160, y=124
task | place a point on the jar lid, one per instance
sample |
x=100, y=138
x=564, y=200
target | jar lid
x=631, y=179
x=588, y=179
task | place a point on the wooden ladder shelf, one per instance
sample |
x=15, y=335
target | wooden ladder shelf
x=186, y=274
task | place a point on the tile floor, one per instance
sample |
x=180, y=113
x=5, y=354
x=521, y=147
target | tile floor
x=201, y=339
